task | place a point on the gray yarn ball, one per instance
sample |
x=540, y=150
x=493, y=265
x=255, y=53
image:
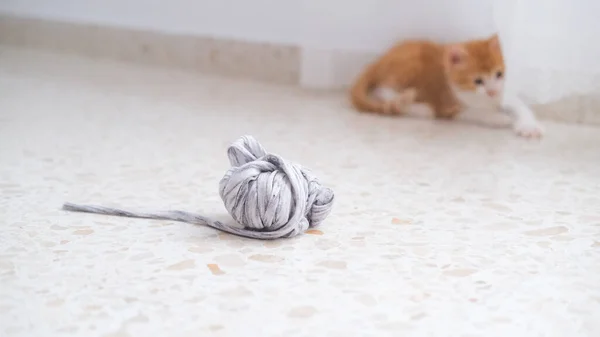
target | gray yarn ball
x=267, y=196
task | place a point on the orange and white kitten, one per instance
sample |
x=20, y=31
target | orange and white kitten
x=443, y=81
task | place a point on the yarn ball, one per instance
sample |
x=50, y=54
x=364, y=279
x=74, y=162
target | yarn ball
x=267, y=196
x=270, y=196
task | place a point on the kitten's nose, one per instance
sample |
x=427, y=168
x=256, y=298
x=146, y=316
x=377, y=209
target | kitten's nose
x=491, y=92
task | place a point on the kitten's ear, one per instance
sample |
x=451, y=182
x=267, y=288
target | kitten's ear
x=494, y=42
x=456, y=55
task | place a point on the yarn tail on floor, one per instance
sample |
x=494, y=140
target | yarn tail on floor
x=181, y=216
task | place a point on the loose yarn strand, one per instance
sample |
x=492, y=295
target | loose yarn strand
x=267, y=196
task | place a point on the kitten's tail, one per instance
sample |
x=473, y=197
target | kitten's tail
x=360, y=93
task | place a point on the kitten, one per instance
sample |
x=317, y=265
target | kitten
x=443, y=81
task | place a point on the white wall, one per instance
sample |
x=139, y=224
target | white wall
x=334, y=24
x=335, y=35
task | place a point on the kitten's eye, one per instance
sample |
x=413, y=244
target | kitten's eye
x=499, y=74
x=478, y=81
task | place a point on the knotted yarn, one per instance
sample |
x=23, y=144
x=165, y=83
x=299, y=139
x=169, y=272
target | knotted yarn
x=267, y=196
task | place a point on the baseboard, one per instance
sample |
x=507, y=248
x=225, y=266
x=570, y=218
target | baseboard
x=312, y=68
x=261, y=61
x=332, y=69
x=307, y=67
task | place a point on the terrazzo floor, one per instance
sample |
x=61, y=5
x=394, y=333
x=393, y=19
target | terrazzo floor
x=439, y=229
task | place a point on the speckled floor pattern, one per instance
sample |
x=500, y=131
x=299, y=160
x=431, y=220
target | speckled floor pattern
x=439, y=229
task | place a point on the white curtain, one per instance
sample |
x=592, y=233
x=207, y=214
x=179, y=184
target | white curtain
x=552, y=48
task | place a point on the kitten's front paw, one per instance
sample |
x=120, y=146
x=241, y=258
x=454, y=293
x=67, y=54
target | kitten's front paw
x=529, y=129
